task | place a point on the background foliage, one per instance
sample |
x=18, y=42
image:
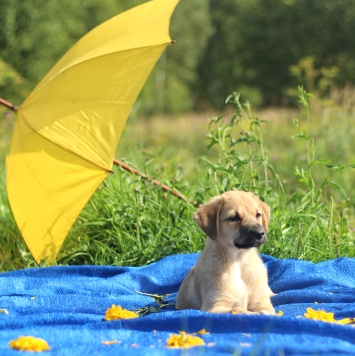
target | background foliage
x=298, y=156
x=262, y=48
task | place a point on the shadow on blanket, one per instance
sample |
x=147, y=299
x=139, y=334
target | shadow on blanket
x=66, y=307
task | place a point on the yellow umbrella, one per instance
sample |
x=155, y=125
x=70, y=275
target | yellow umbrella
x=68, y=128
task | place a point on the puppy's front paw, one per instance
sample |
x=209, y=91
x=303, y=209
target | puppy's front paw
x=264, y=312
x=267, y=312
x=238, y=310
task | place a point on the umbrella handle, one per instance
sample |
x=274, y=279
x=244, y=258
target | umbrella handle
x=8, y=105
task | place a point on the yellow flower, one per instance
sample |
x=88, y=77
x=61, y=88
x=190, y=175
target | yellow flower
x=116, y=312
x=280, y=313
x=184, y=340
x=29, y=343
x=110, y=342
x=325, y=316
x=203, y=332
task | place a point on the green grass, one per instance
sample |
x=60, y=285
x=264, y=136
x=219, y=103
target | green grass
x=296, y=160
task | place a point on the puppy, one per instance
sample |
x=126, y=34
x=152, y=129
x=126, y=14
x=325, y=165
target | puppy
x=229, y=275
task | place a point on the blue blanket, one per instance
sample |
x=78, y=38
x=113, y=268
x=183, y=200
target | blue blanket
x=66, y=307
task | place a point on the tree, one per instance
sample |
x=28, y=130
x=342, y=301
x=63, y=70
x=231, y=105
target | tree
x=255, y=43
x=35, y=33
x=170, y=87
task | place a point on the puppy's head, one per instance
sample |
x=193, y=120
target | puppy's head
x=235, y=218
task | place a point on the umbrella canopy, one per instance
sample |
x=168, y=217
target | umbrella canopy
x=68, y=128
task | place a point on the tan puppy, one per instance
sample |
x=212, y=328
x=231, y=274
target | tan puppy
x=229, y=275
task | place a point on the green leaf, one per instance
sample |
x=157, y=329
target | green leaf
x=336, y=167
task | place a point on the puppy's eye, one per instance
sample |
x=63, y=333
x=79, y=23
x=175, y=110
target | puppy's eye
x=235, y=217
x=258, y=215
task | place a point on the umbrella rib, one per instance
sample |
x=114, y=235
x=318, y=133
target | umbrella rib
x=14, y=108
x=66, y=148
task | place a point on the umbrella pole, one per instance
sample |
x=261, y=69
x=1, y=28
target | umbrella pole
x=8, y=105
x=127, y=168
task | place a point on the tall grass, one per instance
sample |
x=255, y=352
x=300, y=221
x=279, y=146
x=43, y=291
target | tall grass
x=308, y=221
x=284, y=160
x=135, y=223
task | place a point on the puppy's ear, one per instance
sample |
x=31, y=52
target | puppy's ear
x=265, y=211
x=207, y=217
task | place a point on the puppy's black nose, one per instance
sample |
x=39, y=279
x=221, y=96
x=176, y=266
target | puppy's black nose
x=259, y=235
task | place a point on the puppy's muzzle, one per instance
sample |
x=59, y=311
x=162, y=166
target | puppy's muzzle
x=250, y=237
